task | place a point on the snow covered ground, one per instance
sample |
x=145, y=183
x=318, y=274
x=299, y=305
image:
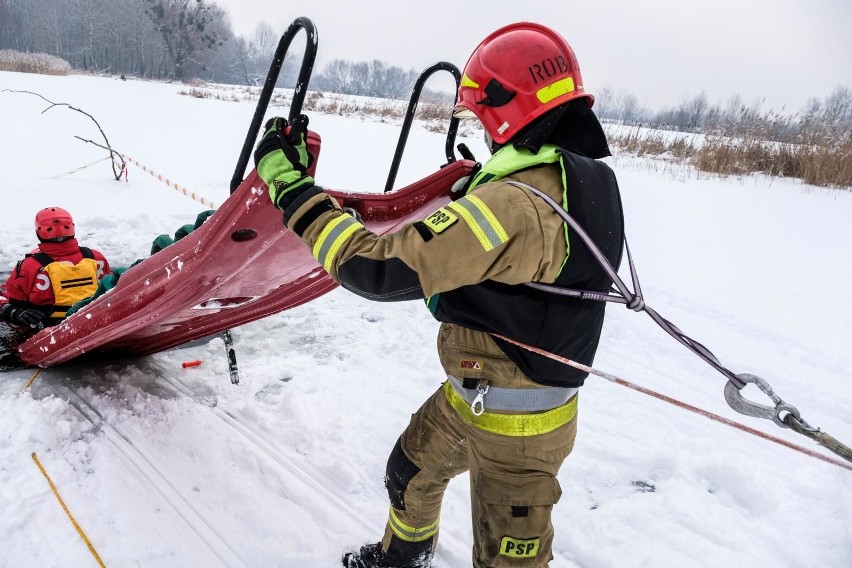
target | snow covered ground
x=164, y=466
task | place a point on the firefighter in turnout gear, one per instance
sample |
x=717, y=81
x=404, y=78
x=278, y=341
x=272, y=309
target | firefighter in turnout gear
x=53, y=277
x=506, y=415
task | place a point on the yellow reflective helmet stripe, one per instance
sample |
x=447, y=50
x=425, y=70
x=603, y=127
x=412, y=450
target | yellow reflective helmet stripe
x=409, y=533
x=481, y=221
x=555, y=89
x=512, y=424
x=332, y=238
x=468, y=82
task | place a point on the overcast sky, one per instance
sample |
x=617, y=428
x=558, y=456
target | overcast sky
x=783, y=51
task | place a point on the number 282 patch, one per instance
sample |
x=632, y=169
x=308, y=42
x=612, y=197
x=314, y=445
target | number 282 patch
x=440, y=220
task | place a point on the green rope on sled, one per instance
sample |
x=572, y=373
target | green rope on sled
x=109, y=281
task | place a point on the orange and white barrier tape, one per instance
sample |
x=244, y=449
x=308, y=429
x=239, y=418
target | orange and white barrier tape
x=67, y=512
x=75, y=170
x=177, y=187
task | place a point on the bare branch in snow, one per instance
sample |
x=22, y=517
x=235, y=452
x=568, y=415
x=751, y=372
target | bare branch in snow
x=117, y=160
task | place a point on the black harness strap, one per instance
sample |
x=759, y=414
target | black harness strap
x=622, y=294
x=43, y=258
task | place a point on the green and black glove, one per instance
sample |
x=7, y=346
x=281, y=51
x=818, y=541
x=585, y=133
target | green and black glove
x=282, y=159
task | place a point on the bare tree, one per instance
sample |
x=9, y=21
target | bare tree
x=188, y=28
x=8, y=22
x=688, y=115
x=629, y=104
x=336, y=76
x=118, y=163
x=830, y=119
x=604, y=99
x=838, y=108
x=621, y=105
x=694, y=111
x=53, y=22
x=265, y=41
x=93, y=20
x=264, y=44
x=368, y=78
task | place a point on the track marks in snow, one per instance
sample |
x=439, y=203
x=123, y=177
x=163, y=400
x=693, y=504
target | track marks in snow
x=146, y=467
x=307, y=485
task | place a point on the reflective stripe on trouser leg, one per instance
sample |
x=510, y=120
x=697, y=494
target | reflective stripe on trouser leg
x=513, y=425
x=409, y=533
x=431, y=451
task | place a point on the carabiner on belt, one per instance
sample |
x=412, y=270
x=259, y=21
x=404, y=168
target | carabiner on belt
x=478, y=404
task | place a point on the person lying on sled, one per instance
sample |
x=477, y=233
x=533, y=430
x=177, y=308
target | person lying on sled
x=57, y=274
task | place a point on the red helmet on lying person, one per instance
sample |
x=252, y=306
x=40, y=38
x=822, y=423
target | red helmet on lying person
x=54, y=223
x=517, y=74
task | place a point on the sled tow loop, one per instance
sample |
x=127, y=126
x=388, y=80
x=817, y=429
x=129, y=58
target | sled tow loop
x=782, y=413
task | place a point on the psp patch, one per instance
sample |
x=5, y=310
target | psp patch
x=517, y=548
x=440, y=220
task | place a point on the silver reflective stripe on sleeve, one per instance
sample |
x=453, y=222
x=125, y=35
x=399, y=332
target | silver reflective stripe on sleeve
x=516, y=400
x=481, y=221
x=332, y=238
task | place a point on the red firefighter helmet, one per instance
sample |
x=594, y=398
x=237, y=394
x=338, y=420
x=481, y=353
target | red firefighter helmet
x=517, y=74
x=52, y=223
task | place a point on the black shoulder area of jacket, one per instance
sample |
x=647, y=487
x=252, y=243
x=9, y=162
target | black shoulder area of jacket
x=385, y=280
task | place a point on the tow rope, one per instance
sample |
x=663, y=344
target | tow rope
x=783, y=414
x=665, y=398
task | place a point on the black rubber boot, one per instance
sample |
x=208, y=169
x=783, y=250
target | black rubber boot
x=400, y=555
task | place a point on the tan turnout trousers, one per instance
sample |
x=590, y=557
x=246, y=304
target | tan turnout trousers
x=513, y=481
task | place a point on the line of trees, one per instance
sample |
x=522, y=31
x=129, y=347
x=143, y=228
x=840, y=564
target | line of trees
x=360, y=77
x=149, y=38
x=821, y=118
x=187, y=39
x=175, y=39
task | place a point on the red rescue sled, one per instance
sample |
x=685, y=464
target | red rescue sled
x=242, y=264
x=220, y=276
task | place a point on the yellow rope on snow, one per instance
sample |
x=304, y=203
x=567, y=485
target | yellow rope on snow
x=67, y=512
x=33, y=378
x=179, y=188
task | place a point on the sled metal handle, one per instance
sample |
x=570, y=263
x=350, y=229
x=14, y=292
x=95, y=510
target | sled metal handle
x=299, y=93
x=409, y=118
